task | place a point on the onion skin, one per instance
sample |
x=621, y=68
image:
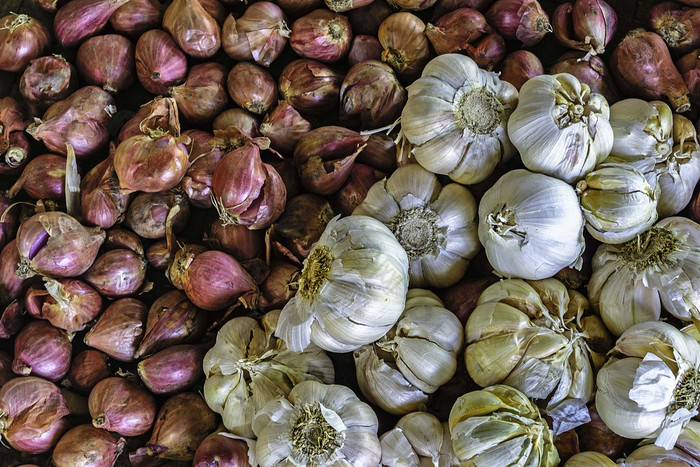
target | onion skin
x=592, y=72
x=44, y=177
x=457, y=29
x=173, y=369
x=522, y=20
x=239, y=119
x=79, y=19
x=88, y=368
x=217, y=450
x=302, y=223
x=22, y=39
x=137, y=16
x=364, y=48
x=195, y=31
x=42, y=350
x=203, y=160
x=642, y=67
x=259, y=35
x=148, y=212
x=13, y=122
x=310, y=86
x=107, y=61
x=86, y=445
x=47, y=80
x=236, y=240
x=119, y=330
x=586, y=25
x=160, y=64
x=519, y=66
x=284, y=126
x=252, y=87
x=279, y=286
x=17, y=154
x=203, y=96
x=321, y=35
x=77, y=304
x=123, y=406
x=13, y=319
x=406, y=47
x=11, y=286
x=117, y=273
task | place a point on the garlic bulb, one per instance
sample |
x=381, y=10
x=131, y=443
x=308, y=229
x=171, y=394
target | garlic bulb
x=352, y=288
x=418, y=439
x=531, y=225
x=651, y=454
x=677, y=176
x=589, y=459
x=537, y=337
x=617, y=202
x=248, y=366
x=317, y=425
x=456, y=117
x=560, y=128
x=436, y=225
x=661, y=266
x=650, y=387
x=500, y=426
x=415, y=358
x=641, y=128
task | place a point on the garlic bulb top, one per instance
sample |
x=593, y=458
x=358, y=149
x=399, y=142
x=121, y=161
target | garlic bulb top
x=418, y=439
x=531, y=225
x=317, y=425
x=415, y=358
x=352, y=288
x=560, y=128
x=436, y=225
x=456, y=117
x=589, y=459
x=661, y=266
x=650, y=387
x=641, y=128
x=500, y=426
x=248, y=366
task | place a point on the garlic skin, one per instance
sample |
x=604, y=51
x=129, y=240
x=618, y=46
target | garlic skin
x=617, y=201
x=641, y=129
x=650, y=387
x=560, y=128
x=248, y=366
x=456, y=117
x=436, y=225
x=589, y=459
x=531, y=225
x=413, y=359
x=660, y=267
x=418, y=439
x=500, y=426
x=655, y=455
x=352, y=288
x=317, y=425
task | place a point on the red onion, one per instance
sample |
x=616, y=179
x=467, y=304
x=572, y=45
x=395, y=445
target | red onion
x=44, y=177
x=283, y=127
x=522, y=20
x=137, y=16
x=321, y=35
x=586, y=25
x=46, y=81
x=259, y=35
x=302, y=223
x=107, y=61
x=445, y=6
x=203, y=160
x=103, y=201
x=148, y=212
x=236, y=240
x=310, y=86
x=87, y=445
x=119, y=330
x=160, y=64
x=218, y=450
x=406, y=47
x=173, y=369
x=81, y=120
x=204, y=95
x=279, y=286
x=123, y=406
x=297, y=8
x=12, y=319
x=158, y=255
x=642, y=67
x=11, y=286
x=364, y=48
x=366, y=19
x=68, y=304
x=22, y=39
x=520, y=66
x=172, y=319
x=88, y=368
x=31, y=412
x=457, y=29
x=237, y=118
x=592, y=72
x=355, y=189
x=193, y=28
x=55, y=244
x=689, y=68
x=79, y=19
x=251, y=87
x=8, y=220
x=42, y=350
x=117, y=273
x=5, y=368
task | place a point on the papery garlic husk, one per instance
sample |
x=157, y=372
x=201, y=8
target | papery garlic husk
x=352, y=288
x=676, y=178
x=660, y=267
x=654, y=455
x=456, y=117
x=589, y=459
x=618, y=202
x=500, y=426
x=248, y=366
x=436, y=225
x=413, y=359
x=418, y=439
x=540, y=338
x=317, y=425
x=641, y=128
x=560, y=128
x=531, y=225
x=650, y=386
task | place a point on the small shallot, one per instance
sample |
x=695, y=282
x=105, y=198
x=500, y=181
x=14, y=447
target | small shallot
x=364, y=48
x=160, y=64
x=88, y=368
x=173, y=369
x=102, y=201
x=193, y=28
x=11, y=286
x=22, y=39
x=47, y=80
x=148, y=212
x=117, y=273
x=302, y=223
x=522, y=20
x=677, y=25
x=218, y=450
x=252, y=87
x=280, y=286
x=586, y=25
x=122, y=405
x=488, y=51
x=259, y=35
x=42, y=350
x=79, y=19
x=203, y=96
x=237, y=118
x=107, y=61
x=236, y=240
x=68, y=304
x=158, y=255
x=592, y=72
x=5, y=368
x=355, y=189
x=310, y=86
x=321, y=35
x=520, y=66
x=366, y=19
x=137, y=16
x=12, y=319
x=284, y=126
x=456, y=29
x=689, y=68
x=44, y=177
x=86, y=445
x=406, y=47
x=8, y=220
x=119, y=330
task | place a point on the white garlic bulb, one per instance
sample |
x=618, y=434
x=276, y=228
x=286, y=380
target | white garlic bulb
x=560, y=128
x=661, y=266
x=418, y=439
x=248, y=366
x=456, y=116
x=436, y=225
x=589, y=459
x=650, y=387
x=415, y=358
x=352, y=288
x=531, y=225
x=317, y=425
x=641, y=128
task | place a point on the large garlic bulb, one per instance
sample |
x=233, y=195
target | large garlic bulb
x=317, y=425
x=436, y=225
x=531, y=225
x=589, y=459
x=415, y=358
x=661, y=266
x=537, y=337
x=650, y=387
x=352, y=288
x=499, y=426
x=456, y=117
x=641, y=128
x=418, y=439
x=248, y=366
x=560, y=128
